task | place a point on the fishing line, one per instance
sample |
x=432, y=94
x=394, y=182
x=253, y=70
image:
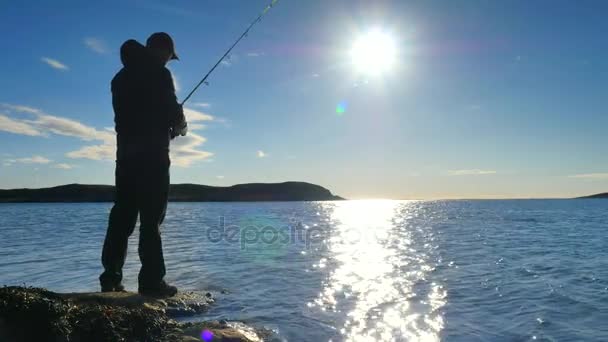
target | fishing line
x=258, y=19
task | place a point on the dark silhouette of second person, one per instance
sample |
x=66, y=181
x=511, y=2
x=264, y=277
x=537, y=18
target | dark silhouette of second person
x=147, y=117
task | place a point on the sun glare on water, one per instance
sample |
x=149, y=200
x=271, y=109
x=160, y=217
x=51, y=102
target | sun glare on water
x=374, y=52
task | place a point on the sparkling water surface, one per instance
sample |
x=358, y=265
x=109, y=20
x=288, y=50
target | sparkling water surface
x=512, y=270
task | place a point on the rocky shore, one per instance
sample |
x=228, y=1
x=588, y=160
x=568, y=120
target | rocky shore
x=35, y=314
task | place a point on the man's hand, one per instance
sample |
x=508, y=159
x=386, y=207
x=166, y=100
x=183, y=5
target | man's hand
x=181, y=130
x=180, y=126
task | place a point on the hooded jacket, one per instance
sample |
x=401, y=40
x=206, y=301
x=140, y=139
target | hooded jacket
x=145, y=105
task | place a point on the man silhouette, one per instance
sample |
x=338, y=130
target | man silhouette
x=147, y=116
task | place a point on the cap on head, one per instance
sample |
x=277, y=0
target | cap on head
x=163, y=41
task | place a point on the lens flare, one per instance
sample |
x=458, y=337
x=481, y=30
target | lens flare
x=341, y=108
x=207, y=335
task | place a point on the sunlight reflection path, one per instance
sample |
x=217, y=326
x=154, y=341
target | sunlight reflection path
x=380, y=280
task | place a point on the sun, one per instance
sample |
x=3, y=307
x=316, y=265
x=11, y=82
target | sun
x=374, y=52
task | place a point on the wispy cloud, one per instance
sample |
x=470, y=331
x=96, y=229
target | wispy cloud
x=591, y=176
x=34, y=160
x=63, y=166
x=70, y=128
x=17, y=127
x=55, y=64
x=220, y=177
x=95, y=44
x=471, y=172
x=201, y=104
x=94, y=152
x=254, y=54
x=47, y=124
x=184, y=150
x=193, y=115
x=230, y=60
x=196, y=126
x=28, y=160
x=315, y=75
x=261, y=154
x=22, y=109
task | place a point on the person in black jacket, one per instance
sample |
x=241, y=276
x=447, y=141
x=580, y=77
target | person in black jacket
x=147, y=116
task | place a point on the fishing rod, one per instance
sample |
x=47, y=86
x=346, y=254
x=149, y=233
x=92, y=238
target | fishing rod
x=259, y=18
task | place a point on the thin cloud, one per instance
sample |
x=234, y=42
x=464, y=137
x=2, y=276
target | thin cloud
x=70, y=128
x=63, y=166
x=34, y=160
x=184, y=150
x=193, y=115
x=254, y=54
x=591, y=176
x=17, y=127
x=94, y=152
x=22, y=109
x=96, y=45
x=261, y=154
x=28, y=160
x=220, y=177
x=55, y=64
x=196, y=126
x=201, y=104
x=471, y=172
x=231, y=59
x=47, y=124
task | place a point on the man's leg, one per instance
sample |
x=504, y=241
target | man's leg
x=153, y=191
x=123, y=218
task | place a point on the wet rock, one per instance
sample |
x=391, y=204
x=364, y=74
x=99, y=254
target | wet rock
x=225, y=331
x=183, y=304
x=33, y=314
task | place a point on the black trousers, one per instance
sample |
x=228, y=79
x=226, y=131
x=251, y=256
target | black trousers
x=142, y=188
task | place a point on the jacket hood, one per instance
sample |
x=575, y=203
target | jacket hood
x=132, y=53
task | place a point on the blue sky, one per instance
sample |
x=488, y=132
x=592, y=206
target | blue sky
x=487, y=98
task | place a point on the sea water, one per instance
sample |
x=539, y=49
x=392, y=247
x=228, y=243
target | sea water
x=495, y=270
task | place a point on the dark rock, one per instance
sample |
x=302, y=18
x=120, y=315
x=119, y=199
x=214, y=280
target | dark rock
x=33, y=314
x=287, y=191
x=602, y=195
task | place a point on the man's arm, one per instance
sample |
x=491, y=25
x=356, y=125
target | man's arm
x=176, y=119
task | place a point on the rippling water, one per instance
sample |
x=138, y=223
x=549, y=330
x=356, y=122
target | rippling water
x=512, y=270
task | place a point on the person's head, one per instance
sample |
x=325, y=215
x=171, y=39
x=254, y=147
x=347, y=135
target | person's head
x=131, y=51
x=161, y=45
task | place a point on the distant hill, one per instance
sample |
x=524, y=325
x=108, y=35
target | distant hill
x=287, y=191
x=602, y=195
